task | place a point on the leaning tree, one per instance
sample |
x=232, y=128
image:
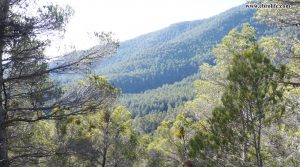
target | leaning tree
x=27, y=94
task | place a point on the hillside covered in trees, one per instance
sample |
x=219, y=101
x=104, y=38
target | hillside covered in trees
x=222, y=91
x=171, y=54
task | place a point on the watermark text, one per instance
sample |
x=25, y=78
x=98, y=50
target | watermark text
x=268, y=6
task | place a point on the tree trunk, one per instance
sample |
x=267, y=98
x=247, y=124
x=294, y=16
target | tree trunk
x=104, y=158
x=257, y=140
x=4, y=7
x=105, y=140
x=258, y=143
x=3, y=142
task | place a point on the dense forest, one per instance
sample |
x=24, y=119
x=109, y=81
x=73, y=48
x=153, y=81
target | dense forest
x=171, y=54
x=222, y=91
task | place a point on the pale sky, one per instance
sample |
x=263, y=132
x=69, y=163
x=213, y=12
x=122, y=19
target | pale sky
x=131, y=18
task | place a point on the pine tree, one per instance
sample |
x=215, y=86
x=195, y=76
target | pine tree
x=252, y=100
x=27, y=94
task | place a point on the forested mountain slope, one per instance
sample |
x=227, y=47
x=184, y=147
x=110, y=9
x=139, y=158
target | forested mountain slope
x=146, y=67
x=161, y=99
x=173, y=53
x=168, y=55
